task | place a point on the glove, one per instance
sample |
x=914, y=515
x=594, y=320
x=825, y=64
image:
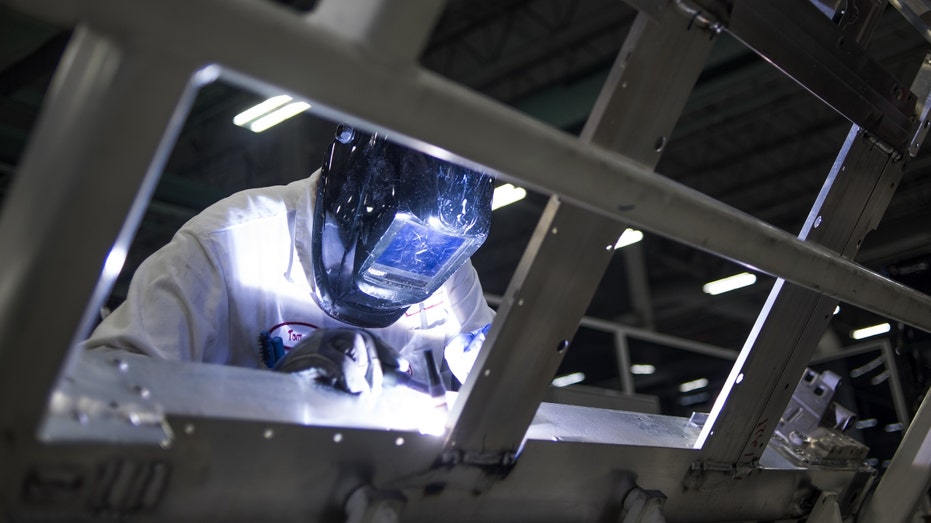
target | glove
x=348, y=359
x=462, y=350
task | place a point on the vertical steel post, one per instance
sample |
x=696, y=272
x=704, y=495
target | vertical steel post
x=905, y=483
x=571, y=247
x=111, y=115
x=794, y=318
x=850, y=205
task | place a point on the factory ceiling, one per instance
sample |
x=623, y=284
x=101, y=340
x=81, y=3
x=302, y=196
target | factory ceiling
x=749, y=136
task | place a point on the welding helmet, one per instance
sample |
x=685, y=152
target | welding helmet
x=391, y=224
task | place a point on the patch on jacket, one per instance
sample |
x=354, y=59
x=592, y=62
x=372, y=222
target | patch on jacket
x=291, y=332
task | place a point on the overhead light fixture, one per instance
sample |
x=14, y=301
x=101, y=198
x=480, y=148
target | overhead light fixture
x=506, y=195
x=269, y=113
x=728, y=284
x=872, y=330
x=569, y=379
x=628, y=237
x=642, y=368
x=689, y=386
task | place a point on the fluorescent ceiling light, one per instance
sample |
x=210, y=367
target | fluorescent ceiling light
x=872, y=330
x=689, y=386
x=506, y=195
x=569, y=379
x=269, y=113
x=278, y=116
x=263, y=108
x=728, y=284
x=628, y=237
x=642, y=368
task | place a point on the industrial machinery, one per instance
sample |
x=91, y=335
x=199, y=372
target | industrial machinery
x=110, y=436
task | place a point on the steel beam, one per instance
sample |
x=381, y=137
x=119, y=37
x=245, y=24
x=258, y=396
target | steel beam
x=391, y=31
x=905, y=483
x=73, y=207
x=828, y=61
x=572, y=246
x=473, y=127
x=235, y=451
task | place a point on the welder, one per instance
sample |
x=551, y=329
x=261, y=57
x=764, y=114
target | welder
x=363, y=264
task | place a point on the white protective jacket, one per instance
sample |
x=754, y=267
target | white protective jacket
x=243, y=266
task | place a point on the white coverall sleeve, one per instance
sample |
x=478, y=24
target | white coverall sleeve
x=467, y=300
x=176, y=307
x=472, y=313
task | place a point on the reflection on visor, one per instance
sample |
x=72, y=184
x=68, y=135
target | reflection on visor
x=412, y=253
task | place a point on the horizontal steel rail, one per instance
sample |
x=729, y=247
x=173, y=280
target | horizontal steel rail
x=319, y=64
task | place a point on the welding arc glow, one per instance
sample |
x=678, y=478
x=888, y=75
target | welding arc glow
x=728, y=284
x=872, y=330
x=569, y=379
x=628, y=237
x=114, y=263
x=507, y=194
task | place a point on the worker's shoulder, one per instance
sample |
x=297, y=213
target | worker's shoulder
x=250, y=206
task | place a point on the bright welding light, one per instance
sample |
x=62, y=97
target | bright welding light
x=689, y=386
x=872, y=330
x=114, y=263
x=506, y=195
x=257, y=111
x=728, y=284
x=569, y=379
x=278, y=116
x=628, y=237
x=642, y=368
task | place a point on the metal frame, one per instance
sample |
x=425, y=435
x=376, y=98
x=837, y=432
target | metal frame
x=174, y=461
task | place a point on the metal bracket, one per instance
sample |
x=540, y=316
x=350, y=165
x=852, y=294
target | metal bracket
x=810, y=429
x=644, y=506
x=699, y=17
x=826, y=509
x=367, y=505
x=737, y=470
x=479, y=459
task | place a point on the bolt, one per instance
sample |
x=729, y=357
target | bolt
x=80, y=416
x=141, y=391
